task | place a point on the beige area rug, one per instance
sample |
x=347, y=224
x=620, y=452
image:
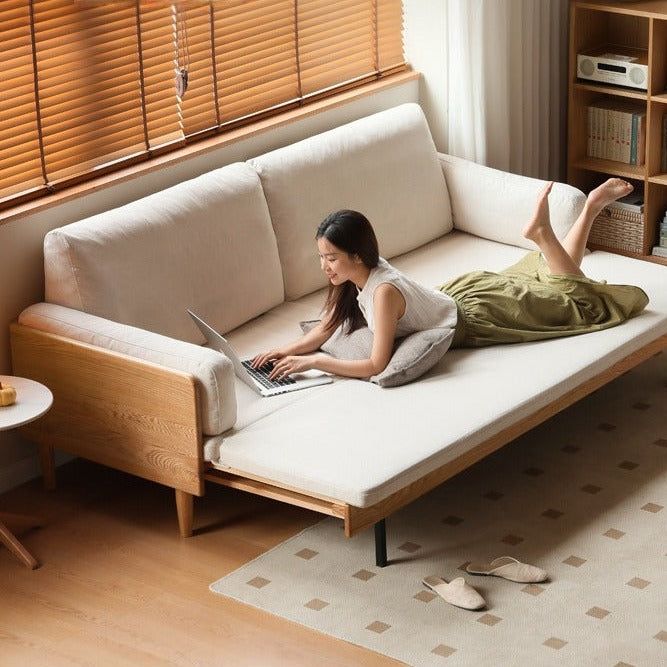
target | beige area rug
x=584, y=496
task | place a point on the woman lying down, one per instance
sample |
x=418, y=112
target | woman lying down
x=545, y=295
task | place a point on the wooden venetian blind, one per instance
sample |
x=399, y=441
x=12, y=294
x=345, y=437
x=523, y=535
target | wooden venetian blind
x=91, y=86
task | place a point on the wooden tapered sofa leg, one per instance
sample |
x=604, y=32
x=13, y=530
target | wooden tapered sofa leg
x=47, y=462
x=184, y=507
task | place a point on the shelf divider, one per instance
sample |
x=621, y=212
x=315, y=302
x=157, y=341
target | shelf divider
x=611, y=167
x=615, y=91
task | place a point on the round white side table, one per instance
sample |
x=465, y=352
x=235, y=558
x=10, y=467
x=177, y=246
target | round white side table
x=32, y=401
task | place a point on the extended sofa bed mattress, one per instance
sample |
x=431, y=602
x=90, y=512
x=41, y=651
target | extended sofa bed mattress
x=357, y=443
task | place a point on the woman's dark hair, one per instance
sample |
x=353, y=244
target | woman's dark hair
x=351, y=232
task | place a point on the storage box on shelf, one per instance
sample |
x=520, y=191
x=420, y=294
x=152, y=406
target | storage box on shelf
x=621, y=225
x=637, y=25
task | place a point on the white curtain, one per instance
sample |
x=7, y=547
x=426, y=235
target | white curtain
x=507, y=84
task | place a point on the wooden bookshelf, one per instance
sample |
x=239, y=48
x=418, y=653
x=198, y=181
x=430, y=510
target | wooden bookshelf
x=638, y=24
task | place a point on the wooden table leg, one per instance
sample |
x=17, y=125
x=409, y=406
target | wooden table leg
x=48, y=464
x=8, y=539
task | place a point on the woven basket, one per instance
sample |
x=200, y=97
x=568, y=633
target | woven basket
x=612, y=232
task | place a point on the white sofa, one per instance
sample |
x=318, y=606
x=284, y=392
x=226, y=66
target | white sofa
x=114, y=342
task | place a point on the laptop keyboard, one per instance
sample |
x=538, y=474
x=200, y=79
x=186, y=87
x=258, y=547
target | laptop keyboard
x=262, y=373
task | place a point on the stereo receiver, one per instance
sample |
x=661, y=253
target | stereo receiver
x=618, y=65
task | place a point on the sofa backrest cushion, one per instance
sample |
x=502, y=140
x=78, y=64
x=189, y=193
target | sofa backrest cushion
x=384, y=166
x=206, y=244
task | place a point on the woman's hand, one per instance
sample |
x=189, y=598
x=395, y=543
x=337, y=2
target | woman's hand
x=271, y=355
x=292, y=364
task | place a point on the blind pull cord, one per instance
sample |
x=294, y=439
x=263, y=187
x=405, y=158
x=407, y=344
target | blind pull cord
x=183, y=51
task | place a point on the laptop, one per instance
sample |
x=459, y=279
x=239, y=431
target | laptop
x=258, y=378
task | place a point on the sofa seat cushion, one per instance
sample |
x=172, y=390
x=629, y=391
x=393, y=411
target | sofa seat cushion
x=280, y=325
x=358, y=443
x=354, y=166
x=205, y=244
x=274, y=328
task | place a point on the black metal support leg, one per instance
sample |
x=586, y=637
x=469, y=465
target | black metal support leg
x=381, y=544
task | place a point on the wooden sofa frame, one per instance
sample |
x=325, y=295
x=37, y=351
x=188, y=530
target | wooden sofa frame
x=144, y=419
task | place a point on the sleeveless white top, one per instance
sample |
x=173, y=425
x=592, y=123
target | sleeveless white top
x=425, y=307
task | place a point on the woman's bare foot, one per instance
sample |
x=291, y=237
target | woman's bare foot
x=540, y=232
x=540, y=222
x=611, y=190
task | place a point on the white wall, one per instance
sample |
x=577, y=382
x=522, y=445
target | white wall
x=425, y=49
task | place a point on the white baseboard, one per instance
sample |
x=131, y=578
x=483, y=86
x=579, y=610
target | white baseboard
x=23, y=471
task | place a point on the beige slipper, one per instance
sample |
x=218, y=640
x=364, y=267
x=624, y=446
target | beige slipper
x=509, y=568
x=456, y=592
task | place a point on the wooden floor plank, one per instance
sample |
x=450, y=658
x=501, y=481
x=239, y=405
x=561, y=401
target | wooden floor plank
x=119, y=586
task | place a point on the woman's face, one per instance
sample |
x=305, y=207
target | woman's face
x=338, y=265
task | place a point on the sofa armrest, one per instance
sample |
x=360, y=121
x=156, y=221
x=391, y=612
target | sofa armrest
x=114, y=409
x=212, y=369
x=496, y=205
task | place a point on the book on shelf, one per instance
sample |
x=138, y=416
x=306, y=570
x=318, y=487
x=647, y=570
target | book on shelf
x=659, y=251
x=632, y=203
x=662, y=233
x=616, y=131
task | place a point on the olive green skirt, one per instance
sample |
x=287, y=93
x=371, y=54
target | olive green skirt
x=526, y=303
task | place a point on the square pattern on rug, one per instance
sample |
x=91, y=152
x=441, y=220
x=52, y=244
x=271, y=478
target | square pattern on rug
x=583, y=496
